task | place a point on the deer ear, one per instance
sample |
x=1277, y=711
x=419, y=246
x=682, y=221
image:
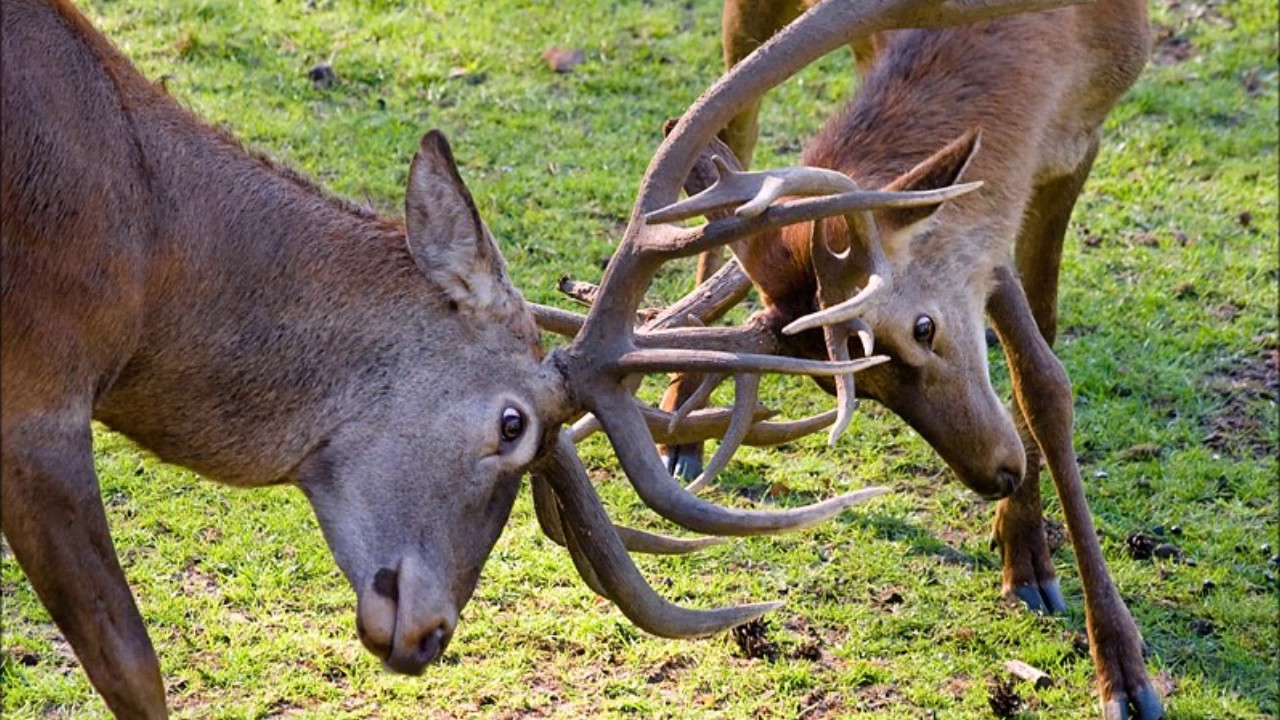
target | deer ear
x=448, y=241
x=941, y=169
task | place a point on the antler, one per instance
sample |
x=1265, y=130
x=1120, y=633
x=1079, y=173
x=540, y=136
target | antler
x=606, y=349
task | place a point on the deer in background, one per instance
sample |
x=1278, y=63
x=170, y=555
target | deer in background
x=231, y=317
x=1016, y=104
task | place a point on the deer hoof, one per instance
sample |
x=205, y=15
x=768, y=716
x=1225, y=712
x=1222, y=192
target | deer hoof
x=1045, y=598
x=685, y=462
x=1142, y=705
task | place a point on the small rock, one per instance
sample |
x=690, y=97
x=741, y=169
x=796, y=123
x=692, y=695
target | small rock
x=1175, y=530
x=1185, y=289
x=1093, y=241
x=563, y=60
x=1167, y=551
x=1207, y=586
x=1245, y=218
x=1202, y=627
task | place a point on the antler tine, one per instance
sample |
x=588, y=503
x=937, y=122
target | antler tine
x=662, y=493
x=603, y=562
x=699, y=425
x=696, y=400
x=649, y=361
x=753, y=192
x=746, y=392
x=690, y=241
x=833, y=276
x=638, y=541
x=560, y=322
x=764, y=434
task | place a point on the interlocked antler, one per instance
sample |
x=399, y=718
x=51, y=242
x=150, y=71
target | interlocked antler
x=607, y=350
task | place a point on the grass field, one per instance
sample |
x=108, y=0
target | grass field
x=1169, y=331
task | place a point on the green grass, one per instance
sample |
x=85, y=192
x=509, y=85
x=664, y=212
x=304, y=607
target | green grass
x=1168, y=316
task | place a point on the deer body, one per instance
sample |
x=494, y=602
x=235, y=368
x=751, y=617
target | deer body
x=230, y=317
x=1035, y=89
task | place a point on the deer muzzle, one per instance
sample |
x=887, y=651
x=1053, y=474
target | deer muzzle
x=405, y=617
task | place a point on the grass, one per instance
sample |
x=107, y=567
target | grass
x=1168, y=318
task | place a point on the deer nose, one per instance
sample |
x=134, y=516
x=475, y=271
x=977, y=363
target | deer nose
x=411, y=658
x=1007, y=481
x=995, y=486
x=402, y=622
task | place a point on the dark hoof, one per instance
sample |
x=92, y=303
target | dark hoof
x=1046, y=598
x=1143, y=705
x=684, y=463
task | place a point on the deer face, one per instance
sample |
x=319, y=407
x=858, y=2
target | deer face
x=413, y=491
x=928, y=320
x=938, y=381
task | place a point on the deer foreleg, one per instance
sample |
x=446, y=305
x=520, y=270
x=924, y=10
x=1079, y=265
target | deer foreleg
x=54, y=520
x=1019, y=528
x=1043, y=394
x=1018, y=532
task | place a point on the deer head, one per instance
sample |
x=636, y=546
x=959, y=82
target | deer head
x=894, y=276
x=413, y=491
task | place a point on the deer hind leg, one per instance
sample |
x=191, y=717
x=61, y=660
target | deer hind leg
x=1018, y=530
x=1042, y=393
x=53, y=518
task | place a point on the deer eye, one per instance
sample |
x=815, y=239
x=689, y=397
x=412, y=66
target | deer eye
x=512, y=425
x=924, y=330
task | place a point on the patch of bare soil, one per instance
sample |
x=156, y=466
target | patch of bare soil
x=1171, y=47
x=1244, y=425
x=879, y=697
x=1005, y=702
x=818, y=705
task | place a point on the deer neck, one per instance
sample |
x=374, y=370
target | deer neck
x=268, y=308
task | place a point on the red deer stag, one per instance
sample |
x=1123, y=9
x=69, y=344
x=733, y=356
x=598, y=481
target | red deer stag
x=233, y=318
x=1033, y=91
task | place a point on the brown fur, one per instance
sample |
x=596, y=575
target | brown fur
x=228, y=315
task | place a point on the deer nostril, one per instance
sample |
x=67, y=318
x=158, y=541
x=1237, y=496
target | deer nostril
x=386, y=582
x=429, y=647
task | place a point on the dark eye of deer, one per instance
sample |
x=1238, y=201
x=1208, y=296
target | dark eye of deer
x=512, y=425
x=924, y=330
